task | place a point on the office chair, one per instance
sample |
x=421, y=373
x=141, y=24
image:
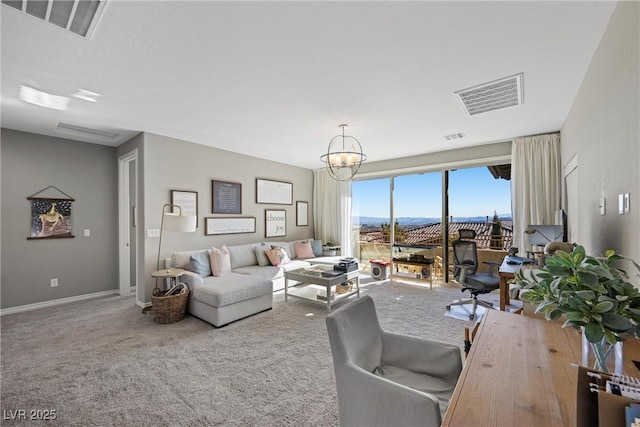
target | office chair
x=465, y=253
x=386, y=379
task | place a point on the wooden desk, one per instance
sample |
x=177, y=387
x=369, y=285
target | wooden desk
x=519, y=373
x=507, y=272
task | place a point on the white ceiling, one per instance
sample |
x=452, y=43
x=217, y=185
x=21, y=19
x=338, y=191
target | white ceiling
x=275, y=79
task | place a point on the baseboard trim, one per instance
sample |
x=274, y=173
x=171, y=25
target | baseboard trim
x=60, y=301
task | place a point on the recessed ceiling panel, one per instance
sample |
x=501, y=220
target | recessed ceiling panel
x=78, y=16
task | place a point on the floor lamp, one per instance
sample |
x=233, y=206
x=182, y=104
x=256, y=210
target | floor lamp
x=175, y=222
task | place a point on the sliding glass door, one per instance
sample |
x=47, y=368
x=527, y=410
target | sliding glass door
x=408, y=210
x=370, y=210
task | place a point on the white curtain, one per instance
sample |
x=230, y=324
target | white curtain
x=332, y=210
x=535, y=184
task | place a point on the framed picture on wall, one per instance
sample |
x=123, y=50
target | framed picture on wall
x=274, y=192
x=275, y=222
x=302, y=213
x=187, y=200
x=229, y=225
x=226, y=197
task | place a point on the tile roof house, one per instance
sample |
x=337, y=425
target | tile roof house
x=431, y=234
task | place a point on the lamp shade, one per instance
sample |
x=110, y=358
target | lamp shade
x=180, y=223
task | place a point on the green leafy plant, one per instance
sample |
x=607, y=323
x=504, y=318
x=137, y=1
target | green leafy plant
x=590, y=291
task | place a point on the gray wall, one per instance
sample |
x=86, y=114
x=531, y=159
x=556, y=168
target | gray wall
x=83, y=265
x=89, y=173
x=172, y=164
x=603, y=131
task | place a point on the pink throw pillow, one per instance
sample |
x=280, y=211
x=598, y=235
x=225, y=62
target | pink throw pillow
x=303, y=250
x=277, y=255
x=220, y=261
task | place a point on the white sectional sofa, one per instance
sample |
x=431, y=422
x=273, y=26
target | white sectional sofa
x=248, y=288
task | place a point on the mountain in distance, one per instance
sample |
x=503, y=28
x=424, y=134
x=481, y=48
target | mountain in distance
x=415, y=221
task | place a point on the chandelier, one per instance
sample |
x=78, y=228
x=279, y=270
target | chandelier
x=344, y=156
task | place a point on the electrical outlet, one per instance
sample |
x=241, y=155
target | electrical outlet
x=54, y=283
x=87, y=233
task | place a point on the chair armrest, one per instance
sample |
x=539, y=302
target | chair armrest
x=420, y=355
x=493, y=266
x=369, y=400
x=463, y=272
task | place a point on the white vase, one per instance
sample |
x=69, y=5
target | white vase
x=602, y=356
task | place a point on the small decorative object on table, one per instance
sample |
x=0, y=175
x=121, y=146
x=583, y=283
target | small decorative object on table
x=170, y=306
x=596, y=298
x=344, y=287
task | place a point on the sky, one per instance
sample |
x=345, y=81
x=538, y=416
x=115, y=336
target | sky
x=472, y=192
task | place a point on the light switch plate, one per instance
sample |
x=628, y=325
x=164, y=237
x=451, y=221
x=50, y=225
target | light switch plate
x=153, y=232
x=627, y=203
x=621, y=204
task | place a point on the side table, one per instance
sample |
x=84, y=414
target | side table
x=331, y=250
x=168, y=273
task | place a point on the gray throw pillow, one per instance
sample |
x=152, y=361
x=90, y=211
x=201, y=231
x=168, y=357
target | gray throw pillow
x=261, y=255
x=316, y=247
x=200, y=264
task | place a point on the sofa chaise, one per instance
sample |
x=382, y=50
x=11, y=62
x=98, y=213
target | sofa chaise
x=245, y=284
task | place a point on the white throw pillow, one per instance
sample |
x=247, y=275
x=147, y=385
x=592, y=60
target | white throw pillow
x=220, y=261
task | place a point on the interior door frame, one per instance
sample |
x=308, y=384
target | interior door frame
x=569, y=195
x=126, y=215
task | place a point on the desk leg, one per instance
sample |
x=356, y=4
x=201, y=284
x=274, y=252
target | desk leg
x=504, y=292
x=328, y=298
x=431, y=273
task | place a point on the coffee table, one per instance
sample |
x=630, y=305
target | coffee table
x=312, y=286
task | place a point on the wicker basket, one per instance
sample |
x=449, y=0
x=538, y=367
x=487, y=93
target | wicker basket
x=344, y=287
x=170, y=309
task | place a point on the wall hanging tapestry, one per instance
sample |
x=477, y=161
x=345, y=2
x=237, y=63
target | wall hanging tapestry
x=50, y=216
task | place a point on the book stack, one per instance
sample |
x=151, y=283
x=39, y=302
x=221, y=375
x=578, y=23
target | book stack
x=321, y=297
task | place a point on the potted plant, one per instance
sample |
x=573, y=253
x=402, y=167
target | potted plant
x=595, y=296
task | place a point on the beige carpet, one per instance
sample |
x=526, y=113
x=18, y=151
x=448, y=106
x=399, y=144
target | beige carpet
x=103, y=363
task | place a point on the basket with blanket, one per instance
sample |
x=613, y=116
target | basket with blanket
x=169, y=306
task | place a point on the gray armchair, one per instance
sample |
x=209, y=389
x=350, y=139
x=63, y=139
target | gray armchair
x=386, y=379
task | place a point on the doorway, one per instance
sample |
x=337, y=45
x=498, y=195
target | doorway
x=127, y=211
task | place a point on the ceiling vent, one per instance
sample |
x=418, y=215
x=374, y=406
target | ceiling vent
x=502, y=93
x=84, y=133
x=454, y=136
x=78, y=16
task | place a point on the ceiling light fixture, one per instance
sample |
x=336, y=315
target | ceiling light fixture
x=86, y=95
x=344, y=156
x=43, y=99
